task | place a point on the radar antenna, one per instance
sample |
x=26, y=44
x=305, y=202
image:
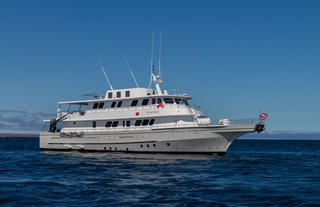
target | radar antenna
x=125, y=59
x=104, y=72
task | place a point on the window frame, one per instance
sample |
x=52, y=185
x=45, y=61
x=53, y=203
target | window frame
x=151, y=122
x=101, y=105
x=168, y=100
x=145, y=102
x=115, y=124
x=138, y=122
x=145, y=122
x=136, y=101
x=95, y=105
x=108, y=124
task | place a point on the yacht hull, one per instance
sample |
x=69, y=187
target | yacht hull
x=208, y=140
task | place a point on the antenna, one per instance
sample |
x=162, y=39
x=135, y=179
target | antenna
x=104, y=72
x=125, y=58
x=152, y=66
x=160, y=55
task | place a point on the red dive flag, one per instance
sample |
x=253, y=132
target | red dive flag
x=263, y=116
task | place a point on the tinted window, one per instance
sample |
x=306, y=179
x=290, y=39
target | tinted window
x=134, y=102
x=113, y=104
x=95, y=105
x=123, y=123
x=151, y=122
x=178, y=101
x=185, y=102
x=145, y=122
x=118, y=94
x=101, y=105
x=119, y=104
x=127, y=93
x=115, y=124
x=108, y=124
x=94, y=124
x=168, y=100
x=110, y=95
x=138, y=123
x=128, y=123
x=145, y=102
x=153, y=101
x=159, y=101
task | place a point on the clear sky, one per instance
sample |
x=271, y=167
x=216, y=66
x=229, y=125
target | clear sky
x=234, y=57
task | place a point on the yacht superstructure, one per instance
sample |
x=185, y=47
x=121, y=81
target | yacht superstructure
x=141, y=120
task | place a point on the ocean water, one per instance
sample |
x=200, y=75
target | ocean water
x=252, y=173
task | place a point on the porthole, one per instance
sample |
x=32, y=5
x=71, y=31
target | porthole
x=154, y=145
x=168, y=144
x=105, y=148
x=141, y=145
x=127, y=149
x=148, y=145
x=115, y=148
x=110, y=148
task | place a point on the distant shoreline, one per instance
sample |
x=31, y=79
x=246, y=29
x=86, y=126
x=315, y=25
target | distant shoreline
x=9, y=135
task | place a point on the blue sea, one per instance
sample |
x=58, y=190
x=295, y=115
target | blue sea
x=252, y=173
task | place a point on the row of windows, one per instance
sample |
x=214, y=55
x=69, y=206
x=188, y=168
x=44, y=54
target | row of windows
x=143, y=103
x=127, y=149
x=138, y=122
x=118, y=94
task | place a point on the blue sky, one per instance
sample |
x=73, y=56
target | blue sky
x=234, y=57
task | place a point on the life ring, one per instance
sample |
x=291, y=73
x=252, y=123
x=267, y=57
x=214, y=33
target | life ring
x=160, y=105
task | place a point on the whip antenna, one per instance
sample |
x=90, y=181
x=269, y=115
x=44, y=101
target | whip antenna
x=152, y=66
x=104, y=72
x=160, y=55
x=125, y=59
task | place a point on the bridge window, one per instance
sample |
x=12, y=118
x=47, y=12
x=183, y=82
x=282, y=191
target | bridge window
x=115, y=124
x=138, y=123
x=118, y=94
x=134, y=102
x=145, y=122
x=127, y=93
x=153, y=101
x=101, y=105
x=108, y=124
x=128, y=123
x=119, y=104
x=145, y=102
x=113, y=104
x=151, y=122
x=159, y=101
x=168, y=100
x=94, y=124
x=186, y=102
x=95, y=105
x=178, y=101
x=110, y=95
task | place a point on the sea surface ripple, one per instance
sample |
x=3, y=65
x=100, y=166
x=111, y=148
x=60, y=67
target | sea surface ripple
x=253, y=173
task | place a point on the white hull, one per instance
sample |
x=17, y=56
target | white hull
x=210, y=139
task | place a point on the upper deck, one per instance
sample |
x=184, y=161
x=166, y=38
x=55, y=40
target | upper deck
x=127, y=94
